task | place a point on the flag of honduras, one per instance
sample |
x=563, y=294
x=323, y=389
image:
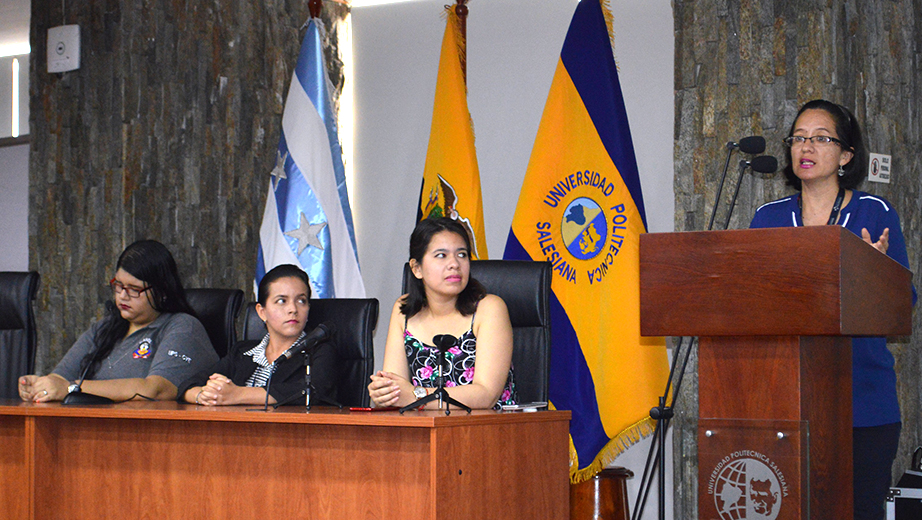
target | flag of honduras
x=307, y=220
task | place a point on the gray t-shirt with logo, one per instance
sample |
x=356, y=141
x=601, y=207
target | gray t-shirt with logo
x=173, y=346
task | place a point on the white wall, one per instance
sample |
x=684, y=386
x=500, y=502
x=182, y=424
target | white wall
x=513, y=48
x=14, y=206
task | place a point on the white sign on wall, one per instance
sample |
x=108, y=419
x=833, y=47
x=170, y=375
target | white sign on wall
x=879, y=168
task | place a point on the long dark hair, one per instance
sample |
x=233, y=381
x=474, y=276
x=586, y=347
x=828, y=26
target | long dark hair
x=151, y=262
x=848, y=132
x=419, y=244
x=281, y=271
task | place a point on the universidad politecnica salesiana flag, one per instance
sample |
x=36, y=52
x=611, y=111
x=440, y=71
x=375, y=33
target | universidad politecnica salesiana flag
x=451, y=179
x=308, y=220
x=581, y=208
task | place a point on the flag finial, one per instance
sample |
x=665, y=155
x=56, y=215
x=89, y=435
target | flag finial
x=315, y=7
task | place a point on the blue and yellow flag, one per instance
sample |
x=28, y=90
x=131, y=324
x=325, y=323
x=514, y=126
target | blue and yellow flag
x=451, y=179
x=581, y=208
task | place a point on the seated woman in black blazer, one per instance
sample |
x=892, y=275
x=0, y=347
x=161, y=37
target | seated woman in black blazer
x=241, y=377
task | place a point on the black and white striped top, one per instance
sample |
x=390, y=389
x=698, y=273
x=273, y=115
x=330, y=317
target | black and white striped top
x=264, y=367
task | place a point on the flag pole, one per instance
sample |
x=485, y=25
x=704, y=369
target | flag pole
x=315, y=7
x=461, y=10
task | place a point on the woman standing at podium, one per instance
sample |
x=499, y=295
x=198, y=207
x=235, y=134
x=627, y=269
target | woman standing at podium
x=443, y=299
x=826, y=161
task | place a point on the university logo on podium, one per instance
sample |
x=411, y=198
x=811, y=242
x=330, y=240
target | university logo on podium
x=747, y=484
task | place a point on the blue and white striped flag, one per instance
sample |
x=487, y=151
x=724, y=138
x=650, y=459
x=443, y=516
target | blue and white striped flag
x=307, y=219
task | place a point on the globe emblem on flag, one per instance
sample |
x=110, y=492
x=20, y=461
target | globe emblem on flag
x=747, y=489
x=584, y=228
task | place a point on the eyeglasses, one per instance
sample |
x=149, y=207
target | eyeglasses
x=133, y=292
x=819, y=140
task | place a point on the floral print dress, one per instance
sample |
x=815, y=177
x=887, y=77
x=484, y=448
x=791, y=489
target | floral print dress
x=459, y=364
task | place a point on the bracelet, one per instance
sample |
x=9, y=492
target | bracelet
x=197, y=396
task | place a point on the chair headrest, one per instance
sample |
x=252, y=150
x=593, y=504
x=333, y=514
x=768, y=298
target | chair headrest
x=352, y=319
x=17, y=290
x=522, y=285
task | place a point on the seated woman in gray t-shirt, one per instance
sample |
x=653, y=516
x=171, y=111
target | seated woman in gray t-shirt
x=147, y=343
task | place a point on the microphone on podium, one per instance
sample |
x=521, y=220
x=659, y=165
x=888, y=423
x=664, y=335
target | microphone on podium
x=443, y=342
x=761, y=164
x=754, y=144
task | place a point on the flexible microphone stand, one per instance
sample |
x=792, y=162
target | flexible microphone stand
x=443, y=342
x=79, y=397
x=761, y=164
x=309, y=388
x=754, y=144
x=274, y=366
x=268, y=384
x=662, y=413
x=322, y=332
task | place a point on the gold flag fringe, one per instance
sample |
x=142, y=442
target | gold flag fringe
x=616, y=446
x=609, y=22
x=451, y=17
x=461, y=42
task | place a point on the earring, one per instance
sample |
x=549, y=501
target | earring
x=841, y=171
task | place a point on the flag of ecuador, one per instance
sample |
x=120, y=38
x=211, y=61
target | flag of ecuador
x=451, y=179
x=581, y=208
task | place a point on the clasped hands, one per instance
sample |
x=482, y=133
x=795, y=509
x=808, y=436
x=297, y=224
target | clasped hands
x=218, y=390
x=385, y=388
x=42, y=389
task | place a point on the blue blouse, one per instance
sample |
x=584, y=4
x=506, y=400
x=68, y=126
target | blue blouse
x=874, y=400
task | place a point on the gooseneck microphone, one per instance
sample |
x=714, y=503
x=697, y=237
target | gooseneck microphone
x=754, y=144
x=443, y=342
x=320, y=333
x=761, y=164
x=78, y=396
x=764, y=164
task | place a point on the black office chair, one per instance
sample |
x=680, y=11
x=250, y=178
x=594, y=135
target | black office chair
x=526, y=289
x=17, y=329
x=353, y=321
x=217, y=309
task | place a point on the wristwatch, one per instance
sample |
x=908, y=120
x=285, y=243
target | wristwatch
x=73, y=388
x=420, y=392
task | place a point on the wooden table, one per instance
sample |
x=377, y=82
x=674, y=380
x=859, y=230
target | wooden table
x=168, y=461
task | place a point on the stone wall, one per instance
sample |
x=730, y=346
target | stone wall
x=167, y=131
x=744, y=67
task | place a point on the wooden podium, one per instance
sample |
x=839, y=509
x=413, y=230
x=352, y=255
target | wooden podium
x=774, y=310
